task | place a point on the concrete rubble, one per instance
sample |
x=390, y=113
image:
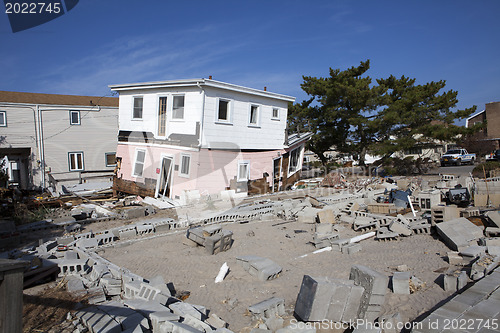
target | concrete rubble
x=360, y=297
x=264, y=269
x=377, y=211
x=213, y=238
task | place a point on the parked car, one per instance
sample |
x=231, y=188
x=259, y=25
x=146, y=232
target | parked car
x=496, y=155
x=457, y=157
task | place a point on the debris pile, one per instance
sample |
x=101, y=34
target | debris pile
x=371, y=209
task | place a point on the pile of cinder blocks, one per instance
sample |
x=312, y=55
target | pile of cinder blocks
x=324, y=235
x=360, y=297
x=331, y=299
x=213, y=238
x=264, y=269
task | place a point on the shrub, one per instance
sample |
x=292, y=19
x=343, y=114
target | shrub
x=488, y=167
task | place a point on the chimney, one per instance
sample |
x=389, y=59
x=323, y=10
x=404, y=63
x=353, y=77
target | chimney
x=210, y=77
x=265, y=88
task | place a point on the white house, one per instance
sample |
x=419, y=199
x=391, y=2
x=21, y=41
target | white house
x=203, y=135
x=49, y=138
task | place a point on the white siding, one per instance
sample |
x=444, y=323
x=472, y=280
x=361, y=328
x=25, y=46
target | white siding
x=20, y=129
x=269, y=134
x=96, y=136
x=149, y=123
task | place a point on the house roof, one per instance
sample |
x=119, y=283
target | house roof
x=199, y=83
x=473, y=116
x=296, y=138
x=54, y=99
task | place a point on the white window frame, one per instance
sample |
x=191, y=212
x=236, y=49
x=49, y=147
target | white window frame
x=71, y=112
x=141, y=175
x=278, y=114
x=257, y=120
x=181, y=173
x=168, y=97
x=243, y=178
x=299, y=160
x=133, y=108
x=3, y=116
x=229, y=113
x=73, y=154
x=106, y=159
x=183, y=108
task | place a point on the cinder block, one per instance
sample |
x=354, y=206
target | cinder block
x=131, y=289
x=454, y=258
x=473, y=251
x=127, y=233
x=274, y=323
x=75, y=285
x=215, y=321
x=196, y=323
x=401, y=283
x=458, y=233
x=313, y=299
x=372, y=281
x=326, y=216
x=145, y=307
x=96, y=295
x=352, y=248
x=196, y=235
x=494, y=217
x=245, y=261
x=323, y=228
x=353, y=303
x=112, y=286
x=449, y=282
x=340, y=297
x=268, y=308
x=182, y=309
x=462, y=280
x=147, y=292
x=400, y=228
x=264, y=269
x=157, y=318
x=134, y=212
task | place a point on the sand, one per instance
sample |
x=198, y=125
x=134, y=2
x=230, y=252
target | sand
x=192, y=269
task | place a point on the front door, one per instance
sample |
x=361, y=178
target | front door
x=164, y=178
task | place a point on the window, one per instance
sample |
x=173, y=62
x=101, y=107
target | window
x=276, y=114
x=185, y=161
x=140, y=156
x=254, y=115
x=223, y=110
x=137, y=114
x=178, y=108
x=162, y=116
x=414, y=151
x=76, y=161
x=293, y=164
x=74, y=117
x=110, y=159
x=3, y=118
x=243, y=171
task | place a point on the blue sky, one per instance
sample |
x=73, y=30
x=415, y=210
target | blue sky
x=256, y=44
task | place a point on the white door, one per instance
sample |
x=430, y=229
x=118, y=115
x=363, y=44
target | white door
x=164, y=178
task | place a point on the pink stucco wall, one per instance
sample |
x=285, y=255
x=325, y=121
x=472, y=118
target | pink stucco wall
x=210, y=170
